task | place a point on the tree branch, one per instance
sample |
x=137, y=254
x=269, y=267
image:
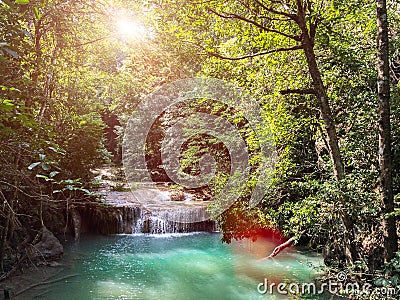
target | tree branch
x=271, y=10
x=95, y=40
x=283, y=246
x=44, y=283
x=239, y=17
x=257, y=14
x=313, y=26
x=309, y=91
x=214, y=54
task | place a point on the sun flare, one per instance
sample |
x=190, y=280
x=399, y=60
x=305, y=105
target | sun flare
x=131, y=29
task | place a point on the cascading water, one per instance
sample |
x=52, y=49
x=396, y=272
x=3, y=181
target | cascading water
x=161, y=223
x=159, y=214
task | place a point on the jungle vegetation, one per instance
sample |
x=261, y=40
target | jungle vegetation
x=325, y=72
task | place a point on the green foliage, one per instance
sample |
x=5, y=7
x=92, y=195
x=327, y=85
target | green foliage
x=302, y=194
x=389, y=277
x=57, y=79
x=83, y=146
x=63, y=64
x=51, y=133
x=238, y=222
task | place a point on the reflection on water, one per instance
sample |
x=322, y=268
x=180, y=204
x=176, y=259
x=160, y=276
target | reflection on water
x=176, y=266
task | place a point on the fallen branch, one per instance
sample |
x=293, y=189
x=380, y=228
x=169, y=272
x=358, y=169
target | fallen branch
x=283, y=246
x=43, y=283
x=42, y=294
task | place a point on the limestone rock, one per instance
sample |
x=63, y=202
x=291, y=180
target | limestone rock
x=49, y=246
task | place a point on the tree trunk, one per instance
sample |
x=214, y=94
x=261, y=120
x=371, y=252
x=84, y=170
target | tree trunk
x=330, y=126
x=385, y=163
x=4, y=235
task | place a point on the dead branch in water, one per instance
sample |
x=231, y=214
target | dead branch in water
x=283, y=246
x=43, y=283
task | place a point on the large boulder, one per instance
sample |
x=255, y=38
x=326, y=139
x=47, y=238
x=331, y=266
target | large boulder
x=49, y=246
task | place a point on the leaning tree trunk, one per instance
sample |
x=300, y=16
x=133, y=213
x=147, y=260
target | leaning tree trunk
x=385, y=163
x=330, y=126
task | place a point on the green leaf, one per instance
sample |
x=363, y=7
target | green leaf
x=36, y=12
x=11, y=52
x=59, y=151
x=381, y=282
x=21, y=1
x=45, y=167
x=27, y=33
x=8, y=102
x=395, y=280
x=42, y=176
x=86, y=191
x=35, y=164
x=52, y=174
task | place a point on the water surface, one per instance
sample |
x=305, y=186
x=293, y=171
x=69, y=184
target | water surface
x=176, y=266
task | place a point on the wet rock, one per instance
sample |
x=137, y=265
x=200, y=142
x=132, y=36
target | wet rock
x=177, y=196
x=49, y=246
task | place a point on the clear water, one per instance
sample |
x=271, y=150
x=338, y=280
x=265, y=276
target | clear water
x=176, y=266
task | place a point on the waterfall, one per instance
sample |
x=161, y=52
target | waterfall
x=139, y=220
x=148, y=210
